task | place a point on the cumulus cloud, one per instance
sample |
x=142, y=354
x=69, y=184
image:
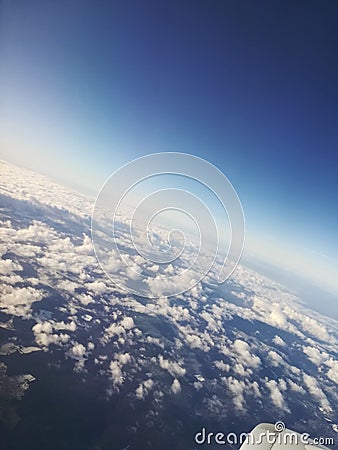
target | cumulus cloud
x=320, y=358
x=18, y=301
x=96, y=287
x=176, y=386
x=314, y=389
x=143, y=388
x=241, y=352
x=7, y=266
x=314, y=355
x=333, y=371
x=127, y=323
x=276, y=393
x=116, y=373
x=278, y=341
x=78, y=350
x=71, y=326
x=296, y=387
x=221, y=365
x=123, y=358
x=275, y=359
x=237, y=389
x=172, y=367
x=139, y=392
x=44, y=336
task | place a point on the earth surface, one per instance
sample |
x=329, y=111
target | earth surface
x=87, y=366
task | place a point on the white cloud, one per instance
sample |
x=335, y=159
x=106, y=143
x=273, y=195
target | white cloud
x=314, y=355
x=78, y=350
x=279, y=341
x=275, y=359
x=143, y=388
x=71, y=326
x=176, y=386
x=221, y=365
x=123, y=358
x=44, y=336
x=333, y=371
x=127, y=323
x=7, y=266
x=240, y=352
x=237, y=389
x=276, y=393
x=314, y=389
x=96, y=287
x=18, y=301
x=296, y=387
x=43, y=327
x=323, y=358
x=172, y=367
x=116, y=373
x=140, y=394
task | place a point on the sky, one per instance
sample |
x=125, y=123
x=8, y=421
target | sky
x=252, y=87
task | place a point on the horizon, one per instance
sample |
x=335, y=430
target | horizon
x=279, y=273
x=77, y=106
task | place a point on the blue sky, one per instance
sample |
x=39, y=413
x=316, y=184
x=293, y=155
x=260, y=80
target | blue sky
x=250, y=86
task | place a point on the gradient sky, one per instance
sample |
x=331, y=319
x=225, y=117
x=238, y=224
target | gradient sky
x=86, y=86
